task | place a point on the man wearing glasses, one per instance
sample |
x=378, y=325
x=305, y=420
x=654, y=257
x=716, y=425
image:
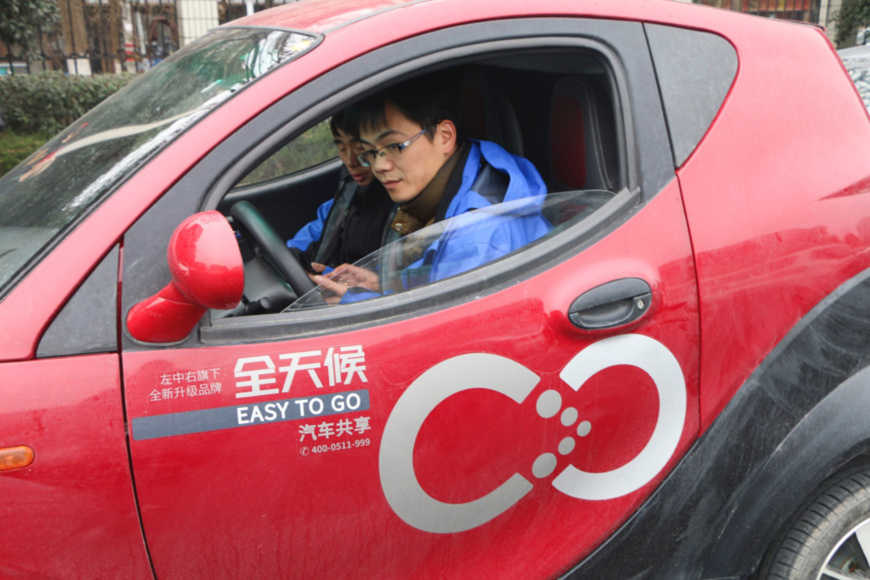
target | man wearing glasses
x=414, y=145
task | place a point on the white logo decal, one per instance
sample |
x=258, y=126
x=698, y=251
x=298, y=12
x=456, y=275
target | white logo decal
x=403, y=491
x=656, y=360
x=486, y=371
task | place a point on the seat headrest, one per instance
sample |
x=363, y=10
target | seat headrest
x=488, y=114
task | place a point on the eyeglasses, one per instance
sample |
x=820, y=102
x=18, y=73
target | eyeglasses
x=390, y=152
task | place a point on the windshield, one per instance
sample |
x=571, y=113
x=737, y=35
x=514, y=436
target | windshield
x=44, y=195
x=453, y=246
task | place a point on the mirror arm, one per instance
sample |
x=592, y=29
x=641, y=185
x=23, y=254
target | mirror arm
x=168, y=316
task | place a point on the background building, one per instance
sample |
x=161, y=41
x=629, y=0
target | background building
x=109, y=36
x=821, y=12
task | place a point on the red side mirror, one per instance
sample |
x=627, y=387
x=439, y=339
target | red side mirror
x=207, y=272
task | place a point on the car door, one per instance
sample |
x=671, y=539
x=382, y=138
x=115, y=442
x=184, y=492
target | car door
x=500, y=423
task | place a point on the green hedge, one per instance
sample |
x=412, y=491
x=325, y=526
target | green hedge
x=15, y=148
x=45, y=103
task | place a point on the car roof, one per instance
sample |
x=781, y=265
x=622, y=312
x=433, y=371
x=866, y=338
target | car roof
x=325, y=16
x=320, y=16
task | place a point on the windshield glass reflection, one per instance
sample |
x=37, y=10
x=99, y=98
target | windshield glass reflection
x=44, y=195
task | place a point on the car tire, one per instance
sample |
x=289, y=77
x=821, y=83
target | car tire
x=830, y=539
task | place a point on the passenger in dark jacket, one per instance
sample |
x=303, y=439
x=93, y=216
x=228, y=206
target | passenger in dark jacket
x=354, y=222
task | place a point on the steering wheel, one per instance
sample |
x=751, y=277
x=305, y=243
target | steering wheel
x=265, y=242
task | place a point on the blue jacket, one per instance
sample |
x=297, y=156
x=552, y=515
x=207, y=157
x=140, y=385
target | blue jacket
x=311, y=232
x=490, y=176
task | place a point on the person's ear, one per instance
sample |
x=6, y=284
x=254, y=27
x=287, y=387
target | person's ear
x=445, y=137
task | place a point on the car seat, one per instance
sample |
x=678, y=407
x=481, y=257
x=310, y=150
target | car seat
x=582, y=137
x=487, y=112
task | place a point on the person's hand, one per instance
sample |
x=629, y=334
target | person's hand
x=354, y=276
x=318, y=269
x=343, y=277
x=334, y=290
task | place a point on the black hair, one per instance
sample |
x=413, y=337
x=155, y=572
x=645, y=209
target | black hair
x=424, y=100
x=344, y=122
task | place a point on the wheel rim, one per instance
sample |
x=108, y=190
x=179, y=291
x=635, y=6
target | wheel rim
x=849, y=558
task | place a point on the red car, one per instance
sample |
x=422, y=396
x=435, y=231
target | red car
x=674, y=382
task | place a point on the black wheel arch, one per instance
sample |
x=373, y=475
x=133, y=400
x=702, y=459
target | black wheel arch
x=832, y=437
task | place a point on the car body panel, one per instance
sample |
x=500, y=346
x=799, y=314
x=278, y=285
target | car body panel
x=791, y=254
x=72, y=511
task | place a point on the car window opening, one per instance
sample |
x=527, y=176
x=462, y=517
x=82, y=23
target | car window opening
x=555, y=111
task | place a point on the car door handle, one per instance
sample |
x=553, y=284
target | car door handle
x=611, y=305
